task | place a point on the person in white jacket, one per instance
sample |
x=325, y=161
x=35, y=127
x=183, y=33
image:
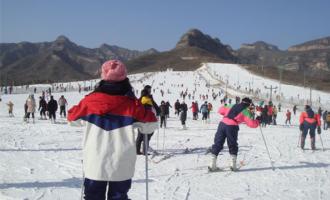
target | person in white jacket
x=31, y=107
x=110, y=113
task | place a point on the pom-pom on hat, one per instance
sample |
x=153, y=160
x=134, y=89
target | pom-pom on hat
x=113, y=70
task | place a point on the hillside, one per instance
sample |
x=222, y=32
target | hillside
x=305, y=64
x=60, y=60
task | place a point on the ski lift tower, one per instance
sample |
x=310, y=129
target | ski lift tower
x=271, y=88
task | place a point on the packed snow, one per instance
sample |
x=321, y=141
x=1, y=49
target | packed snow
x=43, y=161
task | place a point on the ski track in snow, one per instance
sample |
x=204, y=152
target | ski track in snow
x=43, y=160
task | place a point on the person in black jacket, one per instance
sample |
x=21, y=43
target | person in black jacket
x=183, y=115
x=167, y=111
x=149, y=103
x=52, y=108
x=42, y=108
x=177, y=107
x=162, y=114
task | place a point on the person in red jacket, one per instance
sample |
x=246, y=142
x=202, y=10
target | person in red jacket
x=288, y=117
x=309, y=121
x=228, y=129
x=194, y=110
x=110, y=113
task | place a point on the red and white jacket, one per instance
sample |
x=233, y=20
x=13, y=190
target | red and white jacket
x=109, y=152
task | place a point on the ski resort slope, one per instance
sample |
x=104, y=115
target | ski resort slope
x=43, y=160
x=237, y=76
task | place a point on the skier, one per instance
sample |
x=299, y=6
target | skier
x=264, y=116
x=148, y=101
x=194, y=110
x=209, y=109
x=42, y=107
x=294, y=109
x=177, y=107
x=167, y=111
x=62, y=103
x=110, y=113
x=274, y=115
x=31, y=107
x=279, y=107
x=324, y=117
x=228, y=129
x=309, y=121
x=10, y=108
x=183, y=115
x=288, y=117
x=204, y=110
x=52, y=108
x=162, y=114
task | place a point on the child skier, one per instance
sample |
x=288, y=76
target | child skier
x=288, y=117
x=10, y=108
x=111, y=113
x=228, y=129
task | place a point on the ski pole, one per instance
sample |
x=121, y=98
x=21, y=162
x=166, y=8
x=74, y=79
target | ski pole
x=146, y=163
x=164, y=140
x=270, y=159
x=82, y=184
x=321, y=142
x=157, y=139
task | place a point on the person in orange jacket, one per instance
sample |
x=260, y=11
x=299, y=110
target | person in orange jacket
x=309, y=121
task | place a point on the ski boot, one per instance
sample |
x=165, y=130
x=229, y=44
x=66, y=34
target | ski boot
x=213, y=165
x=233, y=166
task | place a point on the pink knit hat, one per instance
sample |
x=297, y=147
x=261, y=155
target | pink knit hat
x=113, y=70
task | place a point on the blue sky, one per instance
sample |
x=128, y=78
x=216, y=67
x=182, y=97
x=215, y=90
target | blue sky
x=143, y=24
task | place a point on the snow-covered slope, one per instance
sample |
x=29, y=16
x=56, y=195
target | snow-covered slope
x=43, y=160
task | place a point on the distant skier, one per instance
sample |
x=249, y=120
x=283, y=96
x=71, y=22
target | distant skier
x=288, y=117
x=209, y=109
x=31, y=107
x=264, y=116
x=183, y=114
x=274, y=115
x=309, y=121
x=228, y=129
x=177, y=107
x=294, y=109
x=162, y=114
x=194, y=110
x=167, y=111
x=325, y=121
x=110, y=114
x=52, y=108
x=10, y=108
x=42, y=107
x=204, y=110
x=62, y=103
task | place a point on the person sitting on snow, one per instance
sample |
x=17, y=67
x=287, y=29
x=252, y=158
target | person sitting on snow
x=228, y=129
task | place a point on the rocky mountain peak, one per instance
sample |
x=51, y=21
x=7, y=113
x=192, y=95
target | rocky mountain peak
x=318, y=44
x=260, y=45
x=196, y=38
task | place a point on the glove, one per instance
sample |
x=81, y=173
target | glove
x=258, y=118
x=319, y=130
x=301, y=127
